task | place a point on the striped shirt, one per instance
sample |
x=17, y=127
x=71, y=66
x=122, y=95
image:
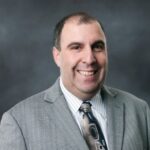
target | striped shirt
x=98, y=108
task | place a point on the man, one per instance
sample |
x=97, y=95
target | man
x=52, y=120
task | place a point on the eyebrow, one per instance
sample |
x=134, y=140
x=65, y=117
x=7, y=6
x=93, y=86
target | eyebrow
x=99, y=42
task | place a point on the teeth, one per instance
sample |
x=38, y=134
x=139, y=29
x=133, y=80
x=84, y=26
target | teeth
x=86, y=73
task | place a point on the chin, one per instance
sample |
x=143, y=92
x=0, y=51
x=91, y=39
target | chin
x=90, y=89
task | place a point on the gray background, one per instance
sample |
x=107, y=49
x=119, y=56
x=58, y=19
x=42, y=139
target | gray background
x=26, y=28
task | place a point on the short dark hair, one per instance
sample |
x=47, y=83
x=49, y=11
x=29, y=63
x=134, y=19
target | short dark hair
x=82, y=18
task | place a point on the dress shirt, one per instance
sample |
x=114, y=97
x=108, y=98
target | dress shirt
x=98, y=108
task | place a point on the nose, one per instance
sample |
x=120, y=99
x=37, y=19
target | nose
x=89, y=56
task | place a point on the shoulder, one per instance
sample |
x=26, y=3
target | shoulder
x=125, y=97
x=36, y=101
x=28, y=105
x=134, y=107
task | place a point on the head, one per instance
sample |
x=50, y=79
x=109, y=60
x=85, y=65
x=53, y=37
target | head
x=80, y=51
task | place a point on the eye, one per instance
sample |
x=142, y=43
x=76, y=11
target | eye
x=98, y=46
x=75, y=47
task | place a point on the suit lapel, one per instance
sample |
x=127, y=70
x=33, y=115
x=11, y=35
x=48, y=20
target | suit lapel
x=67, y=128
x=115, y=117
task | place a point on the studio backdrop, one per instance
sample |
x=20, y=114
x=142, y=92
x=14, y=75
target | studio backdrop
x=26, y=34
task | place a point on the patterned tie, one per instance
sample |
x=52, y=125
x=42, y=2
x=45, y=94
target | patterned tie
x=91, y=129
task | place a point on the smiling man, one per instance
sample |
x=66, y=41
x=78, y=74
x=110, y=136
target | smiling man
x=82, y=57
x=78, y=112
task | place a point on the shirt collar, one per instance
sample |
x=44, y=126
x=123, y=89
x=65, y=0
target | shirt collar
x=98, y=104
x=75, y=103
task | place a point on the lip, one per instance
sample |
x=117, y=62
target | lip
x=87, y=73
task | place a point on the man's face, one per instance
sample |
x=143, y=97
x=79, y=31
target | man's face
x=82, y=58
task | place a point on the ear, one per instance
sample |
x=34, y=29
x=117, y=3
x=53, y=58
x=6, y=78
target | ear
x=56, y=56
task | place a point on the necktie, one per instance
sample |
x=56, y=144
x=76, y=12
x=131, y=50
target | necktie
x=91, y=130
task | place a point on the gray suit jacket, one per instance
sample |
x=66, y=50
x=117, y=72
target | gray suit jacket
x=44, y=122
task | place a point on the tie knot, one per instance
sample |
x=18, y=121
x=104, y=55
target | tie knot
x=85, y=107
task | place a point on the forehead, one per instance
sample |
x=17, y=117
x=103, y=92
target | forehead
x=81, y=32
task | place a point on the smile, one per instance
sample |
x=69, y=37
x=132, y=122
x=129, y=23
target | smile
x=87, y=73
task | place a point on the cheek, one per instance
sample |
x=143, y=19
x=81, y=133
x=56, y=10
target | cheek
x=66, y=64
x=69, y=60
x=102, y=60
